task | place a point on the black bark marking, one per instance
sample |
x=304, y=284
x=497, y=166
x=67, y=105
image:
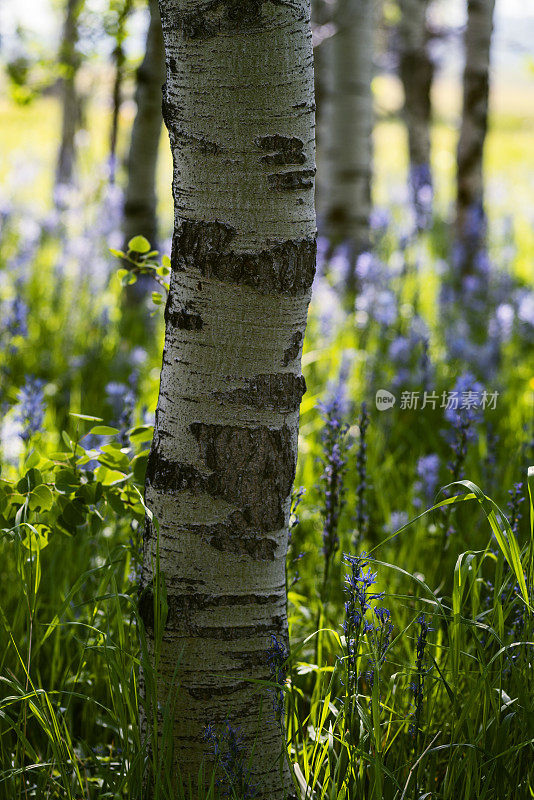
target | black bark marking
x=281, y=150
x=182, y=610
x=282, y=392
x=204, y=146
x=206, y=692
x=286, y=268
x=166, y=107
x=228, y=633
x=216, y=17
x=234, y=536
x=289, y=181
x=201, y=601
x=252, y=468
x=169, y=477
x=306, y=105
x=292, y=352
x=145, y=605
x=183, y=320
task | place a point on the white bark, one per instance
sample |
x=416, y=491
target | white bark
x=470, y=199
x=238, y=104
x=349, y=123
x=416, y=72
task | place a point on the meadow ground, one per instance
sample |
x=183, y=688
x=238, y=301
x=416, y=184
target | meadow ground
x=419, y=683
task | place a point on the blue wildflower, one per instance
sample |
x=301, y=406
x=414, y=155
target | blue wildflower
x=398, y=520
x=428, y=478
x=122, y=398
x=334, y=467
x=362, y=518
x=277, y=656
x=400, y=350
x=31, y=407
x=517, y=497
x=417, y=686
x=422, y=194
x=380, y=638
x=228, y=752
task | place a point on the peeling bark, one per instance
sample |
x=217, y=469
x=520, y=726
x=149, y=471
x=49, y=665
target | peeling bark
x=238, y=105
x=470, y=215
x=416, y=73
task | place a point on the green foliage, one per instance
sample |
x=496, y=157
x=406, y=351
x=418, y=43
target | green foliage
x=71, y=515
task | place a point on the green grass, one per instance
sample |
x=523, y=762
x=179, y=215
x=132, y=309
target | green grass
x=71, y=641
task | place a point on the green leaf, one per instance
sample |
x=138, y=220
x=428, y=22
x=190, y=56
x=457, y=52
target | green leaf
x=33, y=459
x=116, y=503
x=166, y=262
x=66, y=481
x=157, y=298
x=113, y=458
x=142, y=433
x=67, y=440
x=103, y=430
x=36, y=537
x=29, y=481
x=41, y=497
x=85, y=416
x=109, y=477
x=139, y=244
x=139, y=467
x=117, y=253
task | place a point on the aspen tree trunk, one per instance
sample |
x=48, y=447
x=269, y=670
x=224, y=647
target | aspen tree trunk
x=238, y=105
x=119, y=58
x=416, y=73
x=349, y=124
x=140, y=202
x=320, y=17
x=470, y=218
x=69, y=62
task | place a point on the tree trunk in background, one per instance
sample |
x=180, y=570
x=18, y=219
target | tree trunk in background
x=321, y=14
x=470, y=216
x=69, y=62
x=349, y=125
x=238, y=104
x=119, y=58
x=140, y=201
x=416, y=73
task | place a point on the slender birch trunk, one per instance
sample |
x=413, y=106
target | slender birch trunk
x=349, y=124
x=119, y=59
x=238, y=105
x=320, y=19
x=140, y=201
x=416, y=73
x=69, y=63
x=470, y=216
